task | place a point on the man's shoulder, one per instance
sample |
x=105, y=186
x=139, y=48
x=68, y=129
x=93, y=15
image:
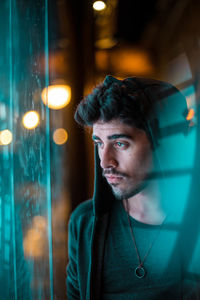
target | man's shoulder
x=84, y=209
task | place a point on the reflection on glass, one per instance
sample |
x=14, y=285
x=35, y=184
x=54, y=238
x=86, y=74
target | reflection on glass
x=35, y=239
x=25, y=207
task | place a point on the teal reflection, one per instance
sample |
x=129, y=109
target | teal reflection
x=24, y=165
x=179, y=162
x=18, y=285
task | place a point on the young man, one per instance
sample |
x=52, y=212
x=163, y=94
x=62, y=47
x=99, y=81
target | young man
x=121, y=243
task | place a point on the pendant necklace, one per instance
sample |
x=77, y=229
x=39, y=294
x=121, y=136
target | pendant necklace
x=140, y=271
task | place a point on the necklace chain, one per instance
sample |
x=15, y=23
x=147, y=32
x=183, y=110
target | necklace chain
x=141, y=262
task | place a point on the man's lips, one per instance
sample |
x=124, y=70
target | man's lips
x=113, y=178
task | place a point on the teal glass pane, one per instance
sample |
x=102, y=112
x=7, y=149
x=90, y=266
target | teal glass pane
x=25, y=194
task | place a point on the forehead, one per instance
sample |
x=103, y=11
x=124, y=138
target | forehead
x=102, y=129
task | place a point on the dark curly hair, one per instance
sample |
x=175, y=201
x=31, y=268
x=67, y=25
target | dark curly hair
x=132, y=101
x=113, y=99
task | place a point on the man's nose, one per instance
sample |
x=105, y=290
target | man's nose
x=108, y=159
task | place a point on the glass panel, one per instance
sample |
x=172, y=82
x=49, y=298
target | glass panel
x=25, y=206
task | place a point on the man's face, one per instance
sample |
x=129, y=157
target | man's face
x=125, y=155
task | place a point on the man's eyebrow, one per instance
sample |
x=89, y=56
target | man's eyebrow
x=113, y=136
x=119, y=136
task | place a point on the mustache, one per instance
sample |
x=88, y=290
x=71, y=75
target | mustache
x=113, y=172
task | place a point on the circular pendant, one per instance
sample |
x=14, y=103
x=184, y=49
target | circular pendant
x=140, y=272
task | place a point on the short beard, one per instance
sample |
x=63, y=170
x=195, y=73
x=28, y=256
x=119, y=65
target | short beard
x=126, y=195
x=131, y=193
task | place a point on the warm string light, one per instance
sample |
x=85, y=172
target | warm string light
x=31, y=120
x=60, y=136
x=99, y=5
x=56, y=96
x=5, y=137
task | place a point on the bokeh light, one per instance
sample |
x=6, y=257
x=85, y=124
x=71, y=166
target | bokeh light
x=99, y=5
x=5, y=137
x=190, y=114
x=31, y=120
x=36, y=237
x=60, y=136
x=56, y=96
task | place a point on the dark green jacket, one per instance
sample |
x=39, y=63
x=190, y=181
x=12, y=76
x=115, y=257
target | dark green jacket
x=87, y=231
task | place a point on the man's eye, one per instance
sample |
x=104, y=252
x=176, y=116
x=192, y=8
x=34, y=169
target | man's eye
x=120, y=145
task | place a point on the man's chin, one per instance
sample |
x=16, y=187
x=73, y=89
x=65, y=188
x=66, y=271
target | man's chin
x=121, y=194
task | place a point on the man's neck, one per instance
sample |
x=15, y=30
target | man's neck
x=146, y=206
